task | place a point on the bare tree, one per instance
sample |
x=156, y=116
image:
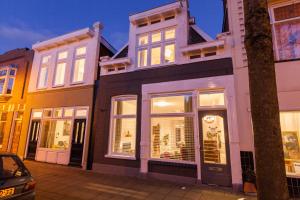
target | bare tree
x=269, y=157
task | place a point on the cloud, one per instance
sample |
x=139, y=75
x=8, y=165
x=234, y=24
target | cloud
x=23, y=33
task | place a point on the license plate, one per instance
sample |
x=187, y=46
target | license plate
x=7, y=192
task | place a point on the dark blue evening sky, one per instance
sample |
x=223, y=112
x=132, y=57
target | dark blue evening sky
x=24, y=22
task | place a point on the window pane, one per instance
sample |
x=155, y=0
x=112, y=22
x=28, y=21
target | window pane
x=68, y=112
x=58, y=112
x=172, y=138
x=46, y=59
x=43, y=77
x=170, y=34
x=2, y=132
x=170, y=53
x=212, y=99
x=125, y=107
x=214, y=145
x=2, y=81
x=37, y=114
x=287, y=12
x=124, y=136
x=143, y=40
x=155, y=56
x=10, y=85
x=81, y=51
x=60, y=74
x=56, y=134
x=12, y=72
x=288, y=40
x=10, y=168
x=142, y=58
x=79, y=70
x=81, y=113
x=3, y=72
x=62, y=55
x=156, y=37
x=172, y=104
x=290, y=128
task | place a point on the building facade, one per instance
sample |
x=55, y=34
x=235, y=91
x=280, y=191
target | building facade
x=165, y=106
x=60, y=96
x=285, y=22
x=15, y=67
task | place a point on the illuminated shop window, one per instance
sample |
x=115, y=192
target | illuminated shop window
x=211, y=99
x=123, y=126
x=286, y=27
x=172, y=128
x=290, y=130
x=56, y=134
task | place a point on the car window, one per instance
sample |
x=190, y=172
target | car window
x=10, y=167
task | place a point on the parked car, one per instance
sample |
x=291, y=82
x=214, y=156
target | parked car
x=16, y=181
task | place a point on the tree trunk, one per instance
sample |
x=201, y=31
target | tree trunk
x=269, y=157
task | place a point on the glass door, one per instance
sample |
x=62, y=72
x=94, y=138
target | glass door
x=33, y=138
x=214, y=147
x=77, y=142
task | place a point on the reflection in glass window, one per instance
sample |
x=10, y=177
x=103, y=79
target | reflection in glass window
x=2, y=82
x=79, y=70
x=169, y=34
x=142, y=58
x=155, y=55
x=170, y=53
x=290, y=130
x=143, y=40
x=3, y=72
x=212, y=99
x=10, y=85
x=172, y=132
x=56, y=134
x=123, y=126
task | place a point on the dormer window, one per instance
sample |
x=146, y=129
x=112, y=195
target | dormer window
x=7, y=79
x=156, y=48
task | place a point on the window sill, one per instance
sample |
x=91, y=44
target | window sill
x=120, y=157
x=77, y=83
x=289, y=60
x=58, y=86
x=172, y=161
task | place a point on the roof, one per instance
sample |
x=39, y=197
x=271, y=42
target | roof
x=14, y=54
x=122, y=53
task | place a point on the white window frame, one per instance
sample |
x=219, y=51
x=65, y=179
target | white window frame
x=60, y=61
x=47, y=66
x=162, y=43
x=110, y=153
x=78, y=57
x=188, y=114
x=6, y=78
x=273, y=23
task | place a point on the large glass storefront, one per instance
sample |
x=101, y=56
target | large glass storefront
x=290, y=129
x=172, y=128
x=55, y=132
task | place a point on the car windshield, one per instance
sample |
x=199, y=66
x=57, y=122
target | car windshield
x=11, y=167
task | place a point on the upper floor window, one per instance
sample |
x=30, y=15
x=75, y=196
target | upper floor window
x=60, y=68
x=79, y=67
x=286, y=24
x=43, y=76
x=7, y=79
x=156, y=48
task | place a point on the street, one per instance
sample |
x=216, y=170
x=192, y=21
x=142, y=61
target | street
x=56, y=182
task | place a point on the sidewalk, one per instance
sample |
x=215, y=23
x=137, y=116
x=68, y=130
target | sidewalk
x=56, y=182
